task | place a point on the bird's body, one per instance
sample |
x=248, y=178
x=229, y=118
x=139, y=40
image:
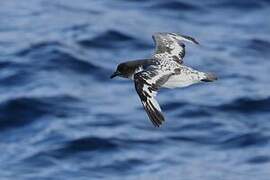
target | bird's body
x=178, y=75
x=164, y=69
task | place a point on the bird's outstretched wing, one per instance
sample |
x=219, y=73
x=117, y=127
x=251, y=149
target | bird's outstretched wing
x=171, y=44
x=147, y=83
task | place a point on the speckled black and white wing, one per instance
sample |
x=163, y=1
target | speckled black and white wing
x=147, y=83
x=171, y=46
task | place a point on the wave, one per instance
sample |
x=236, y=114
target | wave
x=70, y=148
x=203, y=125
x=89, y=144
x=259, y=159
x=198, y=139
x=35, y=48
x=94, y=145
x=237, y=141
x=195, y=112
x=24, y=110
x=175, y=5
x=75, y=9
x=109, y=39
x=173, y=105
x=261, y=46
x=88, y=148
x=244, y=140
x=246, y=105
x=61, y=60
x=241, y=4
x=55, y=56
x=18, y=78
x=129, y=165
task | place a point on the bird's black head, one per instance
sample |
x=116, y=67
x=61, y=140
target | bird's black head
x=124, y=70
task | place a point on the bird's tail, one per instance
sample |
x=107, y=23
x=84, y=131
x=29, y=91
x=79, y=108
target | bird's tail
x=209, y=77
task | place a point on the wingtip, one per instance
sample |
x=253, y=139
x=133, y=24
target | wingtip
x=191, y=39
x=154, y=115
x=185, y=38
x=182, y=37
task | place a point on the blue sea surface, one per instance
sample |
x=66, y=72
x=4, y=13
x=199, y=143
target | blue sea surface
x=62, y=117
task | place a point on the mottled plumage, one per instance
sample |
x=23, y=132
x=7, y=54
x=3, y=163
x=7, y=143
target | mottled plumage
x=164, y=69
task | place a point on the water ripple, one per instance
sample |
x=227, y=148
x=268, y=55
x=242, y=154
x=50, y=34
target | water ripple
x=245, y=140
x=259, y=159
x=23, y=110
x=108, y=39
x=176, y=5
x=246, y=105
x=89, y=144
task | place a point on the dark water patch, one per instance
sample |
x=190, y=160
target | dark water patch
x=234, y=75
x=237, y=141
x=113, y=121
x=86, y=144
x=173, y=105
x=14, y=74
x=175, y=5
x=142, y=141
x=38, y=160
x=136, y=1
x=256, y=45
x=24, y=110
x=64, y=61
x=35, y=48
x=126, y=166
x=240, y=4
x=109, y=39
x=201, y=126
x=81, y=9
x=246, y=105
x=203, y=140
x=259, y=159
x=195, y=112
x=5, y=64
x=20, y=77
x=54, y=56
x=94, y=146
x=244, y=141
x=90, y=144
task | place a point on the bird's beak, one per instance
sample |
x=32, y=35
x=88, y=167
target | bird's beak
x=116, y=73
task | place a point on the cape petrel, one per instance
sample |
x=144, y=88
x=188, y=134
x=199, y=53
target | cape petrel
x=164, y=69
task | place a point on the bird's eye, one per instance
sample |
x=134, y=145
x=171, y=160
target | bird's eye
x=120, y=68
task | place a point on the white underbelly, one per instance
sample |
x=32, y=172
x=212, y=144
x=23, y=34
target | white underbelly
x=180, y=81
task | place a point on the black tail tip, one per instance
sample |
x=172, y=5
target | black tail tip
x=210, y=77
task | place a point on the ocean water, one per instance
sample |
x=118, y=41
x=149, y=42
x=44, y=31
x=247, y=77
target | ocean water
x=61, y=117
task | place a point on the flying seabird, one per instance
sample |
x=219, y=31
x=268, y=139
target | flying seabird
x=164, y=69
